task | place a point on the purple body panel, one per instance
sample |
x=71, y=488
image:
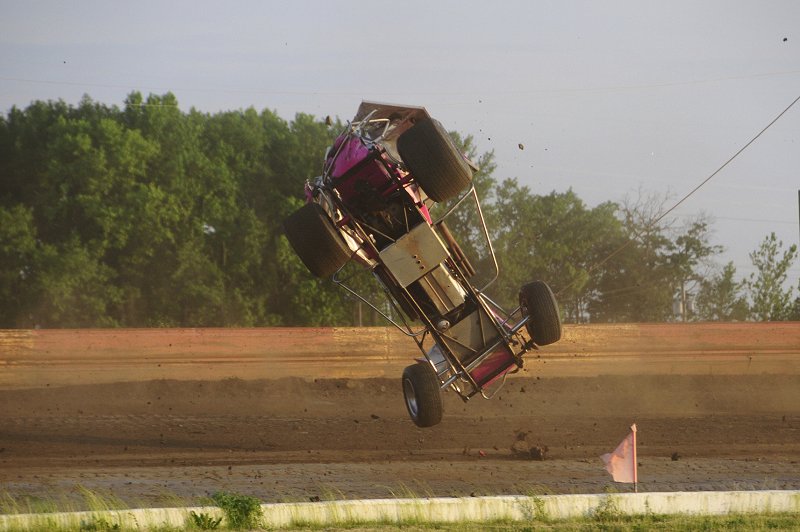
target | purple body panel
x=494, y=367
x=352, y=152
x=359, y=174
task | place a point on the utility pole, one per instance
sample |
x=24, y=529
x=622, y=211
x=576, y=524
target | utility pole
x=683, y=300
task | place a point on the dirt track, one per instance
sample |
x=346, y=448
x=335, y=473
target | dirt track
x=293, y=439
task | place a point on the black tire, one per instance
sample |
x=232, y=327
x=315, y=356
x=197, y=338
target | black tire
x=538, y=302
x=434, y=160
x=421, y=393
x=315, y=240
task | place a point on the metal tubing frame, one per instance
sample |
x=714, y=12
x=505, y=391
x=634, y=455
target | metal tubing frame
x=405, y=328
x=484, y=229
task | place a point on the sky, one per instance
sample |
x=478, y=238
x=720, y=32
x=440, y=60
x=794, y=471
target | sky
x=615, y=99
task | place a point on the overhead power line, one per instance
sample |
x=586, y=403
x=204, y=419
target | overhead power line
x=738, y=219
x=688, y=195
x=726, y=163
x=555, y=90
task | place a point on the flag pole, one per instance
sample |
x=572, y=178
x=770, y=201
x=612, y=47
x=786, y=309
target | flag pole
x=635, y=462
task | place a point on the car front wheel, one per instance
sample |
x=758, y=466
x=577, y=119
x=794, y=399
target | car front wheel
x=316, y=240
x=421, y=393
x=539, y=304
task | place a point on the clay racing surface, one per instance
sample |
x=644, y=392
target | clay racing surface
x=148, y=441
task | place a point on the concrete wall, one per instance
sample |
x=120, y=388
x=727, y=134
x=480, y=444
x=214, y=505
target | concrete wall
x=477, y=509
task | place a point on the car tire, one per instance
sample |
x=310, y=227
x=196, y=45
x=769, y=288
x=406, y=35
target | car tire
x=421, y=393
x=539, y=303
x=315, y=240
x=434, y=161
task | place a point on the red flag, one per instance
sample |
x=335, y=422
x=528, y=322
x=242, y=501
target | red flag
x=622, y=462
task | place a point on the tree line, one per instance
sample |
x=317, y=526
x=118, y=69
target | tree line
x=143, y=215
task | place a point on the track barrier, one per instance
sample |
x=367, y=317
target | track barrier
x=460, y=509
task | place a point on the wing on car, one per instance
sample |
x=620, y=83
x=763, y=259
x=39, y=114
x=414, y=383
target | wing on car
x=387, y=110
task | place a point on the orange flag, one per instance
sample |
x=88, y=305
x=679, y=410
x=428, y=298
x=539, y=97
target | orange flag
x=622, y=462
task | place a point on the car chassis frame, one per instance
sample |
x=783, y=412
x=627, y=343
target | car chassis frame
x=418, y=263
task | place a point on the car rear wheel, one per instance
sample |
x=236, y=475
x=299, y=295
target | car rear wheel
x=434, y=160
x=539, y=303
x=421, y=392
x=315, y=240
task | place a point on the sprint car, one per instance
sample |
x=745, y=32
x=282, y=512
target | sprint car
x=389, y=183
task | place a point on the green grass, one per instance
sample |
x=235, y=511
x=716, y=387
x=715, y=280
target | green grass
x=641, y=523
x=82, y=499
x=241, y=511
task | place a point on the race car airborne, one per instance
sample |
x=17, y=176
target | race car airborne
x=372, y=205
